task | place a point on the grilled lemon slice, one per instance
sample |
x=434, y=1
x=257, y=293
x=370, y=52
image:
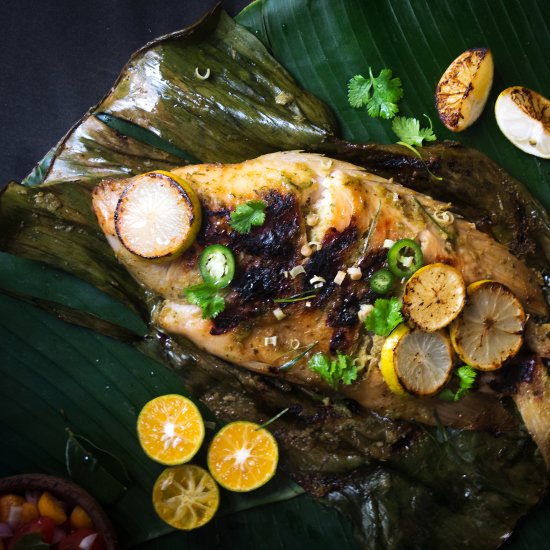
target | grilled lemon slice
x=157, y=216
x=423, y=361
x=434, y=296
x=490, y=328
x=464, y=88
x=523, y=116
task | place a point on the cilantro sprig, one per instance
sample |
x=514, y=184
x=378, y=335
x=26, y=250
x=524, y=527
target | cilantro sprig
x=251, y=213
x=409, y=132
x=334, y=371
x=467, y=376
x=207, y=297
x=385, y=316
x=379, y=95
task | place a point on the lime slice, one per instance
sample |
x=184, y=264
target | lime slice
x=523, y=116
x=490, y=328
x=157, y=216
x=423, y=361
x=434, y=296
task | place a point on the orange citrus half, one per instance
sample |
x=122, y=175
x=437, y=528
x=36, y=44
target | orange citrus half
x=243, y=456
x=170, y=429
x=185, y=497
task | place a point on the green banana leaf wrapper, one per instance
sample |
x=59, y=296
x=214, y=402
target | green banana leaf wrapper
x=403, y=485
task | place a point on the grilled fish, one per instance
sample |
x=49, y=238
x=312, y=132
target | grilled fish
x=326, y=216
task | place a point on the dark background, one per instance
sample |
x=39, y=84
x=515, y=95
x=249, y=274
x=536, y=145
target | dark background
x=59, y=57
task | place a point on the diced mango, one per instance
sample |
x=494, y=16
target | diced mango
x=80, y=518
x=29, y=512
x=50, y=507
x=6, y=502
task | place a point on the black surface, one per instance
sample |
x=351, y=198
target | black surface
x=59, y=57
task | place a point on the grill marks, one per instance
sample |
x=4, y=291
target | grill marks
x=263, y=256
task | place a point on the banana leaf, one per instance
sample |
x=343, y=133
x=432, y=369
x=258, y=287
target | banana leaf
x=136, y=128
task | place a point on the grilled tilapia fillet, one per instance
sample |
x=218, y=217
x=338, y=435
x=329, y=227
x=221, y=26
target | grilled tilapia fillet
x=346, y=215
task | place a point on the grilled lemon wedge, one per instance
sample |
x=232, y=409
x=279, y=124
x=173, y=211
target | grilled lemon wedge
x=490, y=328
x=434, y=296
x=523, y=116
x=423, y=361
x=387, y=364
x=157, y=216
x=464, y=88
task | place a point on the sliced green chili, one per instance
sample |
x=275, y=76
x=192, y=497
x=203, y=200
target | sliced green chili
x=217, y=265
x=398, y=258
x=382, y=281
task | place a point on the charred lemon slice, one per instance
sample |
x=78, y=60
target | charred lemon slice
x=387, y=365
x=523, y=116
x=243, y=456
x=170, y=429
x=423, y=361
x=157, y=216
x=186, y=497
x=490, y=328
x=434, y=296
x=464, y=88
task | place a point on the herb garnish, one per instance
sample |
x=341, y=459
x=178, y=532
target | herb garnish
x=291, y=362
x=334, y=371
x=467, y=376
x=379, y=95
x=409, y=132
x=207, y=297
x=385, y=316
x=248, y=214
x=306, y=295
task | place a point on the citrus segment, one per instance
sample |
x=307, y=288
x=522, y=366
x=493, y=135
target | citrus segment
x=387, y=367
x=243, y=456
x=170, y=429
x=185, y=497
x=490, y=328
x=434, y=296
x=423, y=361
x=157, y=215
x=463, y=89
x=523, y=116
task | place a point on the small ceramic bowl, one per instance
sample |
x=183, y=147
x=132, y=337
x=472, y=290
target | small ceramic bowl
x=68, y=492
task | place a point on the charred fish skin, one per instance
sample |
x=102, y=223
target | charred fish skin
x=356, y=213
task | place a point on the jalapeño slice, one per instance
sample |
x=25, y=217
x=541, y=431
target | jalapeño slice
x=217, y=265
x=405, y=258
x=382, y=281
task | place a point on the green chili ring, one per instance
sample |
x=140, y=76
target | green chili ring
x=397, y=254
x=382, y=281
x=217, y=265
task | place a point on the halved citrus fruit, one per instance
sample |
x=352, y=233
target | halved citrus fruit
x=170, y=429
x=186, y=497
x=157, y=216
x=243, y=456
x=490, y=328
x=386, y=365
x=523, y=116
x=463, y=89
x=434, y=296
x=423, y=361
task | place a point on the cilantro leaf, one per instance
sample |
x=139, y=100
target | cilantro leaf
x=409, y=132
x=207, y=298
x=467, y=376
x=358, y=91
x=379, y=95
x=336, y=371
x=248, y=214
x=385, y=316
